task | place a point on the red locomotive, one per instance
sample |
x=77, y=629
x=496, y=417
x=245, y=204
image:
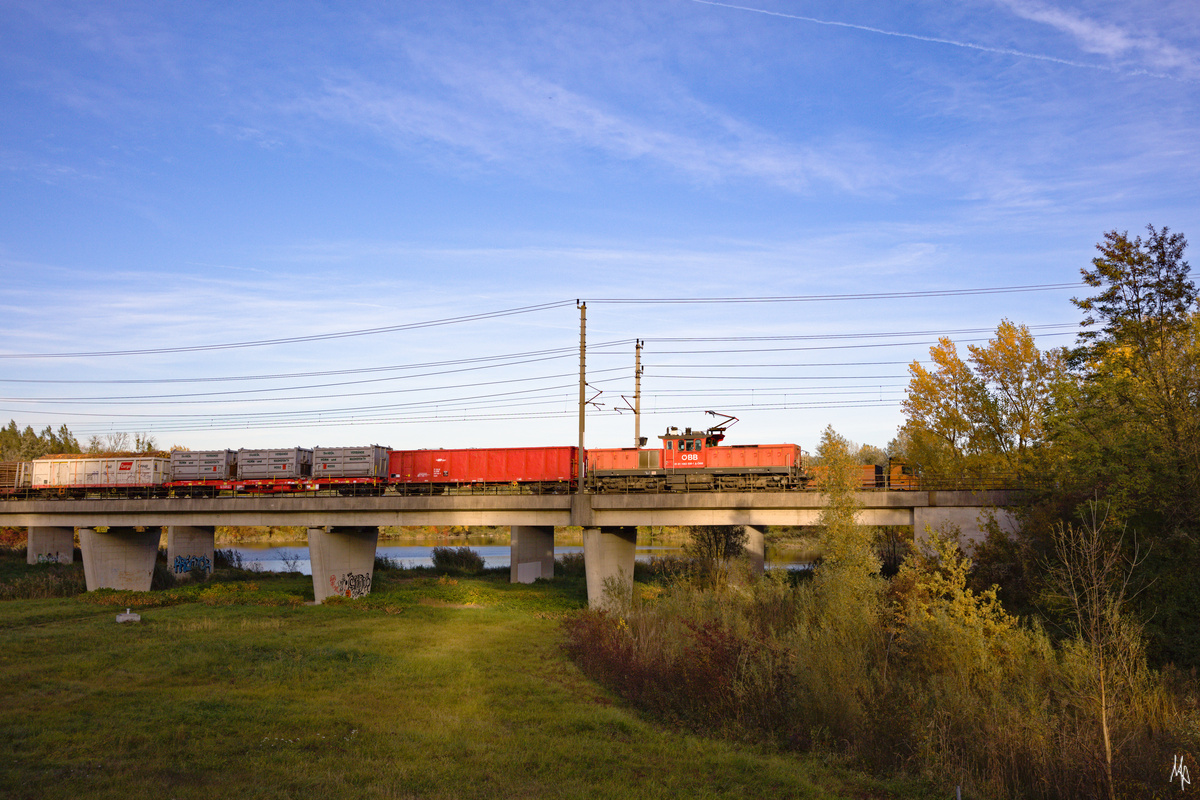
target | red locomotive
x=694, y=460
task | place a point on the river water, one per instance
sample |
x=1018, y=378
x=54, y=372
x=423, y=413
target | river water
x=293, y=556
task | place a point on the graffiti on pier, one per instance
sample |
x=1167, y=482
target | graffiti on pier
x=351, y=584
x=51, y=558
x=188, y=563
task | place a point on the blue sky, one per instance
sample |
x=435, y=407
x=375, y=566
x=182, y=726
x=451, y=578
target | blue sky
x=183, y=175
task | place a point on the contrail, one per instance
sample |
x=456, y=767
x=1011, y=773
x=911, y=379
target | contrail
x=934, y=39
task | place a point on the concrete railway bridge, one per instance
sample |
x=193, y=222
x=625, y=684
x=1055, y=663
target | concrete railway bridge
x=119, y=538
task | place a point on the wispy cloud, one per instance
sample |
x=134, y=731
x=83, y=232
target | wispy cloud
x=1115, y=42
x=42, y=169
x=1008, y=51
x=114, y=31
x=504, y=115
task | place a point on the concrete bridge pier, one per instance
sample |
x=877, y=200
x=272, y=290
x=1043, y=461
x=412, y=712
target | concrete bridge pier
x=970, y=520
x=608, y=562
x=343, y=559
x=755, y=548
x=121, y=558
x=531, y=553
x=48, y=543
x=190, y=547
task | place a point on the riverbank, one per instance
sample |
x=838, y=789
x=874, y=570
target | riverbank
x=499, y=534
x=780, y=537
x=431, y=687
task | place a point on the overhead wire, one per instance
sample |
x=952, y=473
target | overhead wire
x=542, y=307
x=341, y=415
x=158, y=401
x=1042, y=287
x=321, y=374
x=316, y=337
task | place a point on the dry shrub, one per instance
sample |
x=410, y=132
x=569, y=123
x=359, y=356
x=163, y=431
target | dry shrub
x=570, y=565
x=687, y=656
x=12, y=537
x=929, y=678
x=457, y=560
x=56, y=581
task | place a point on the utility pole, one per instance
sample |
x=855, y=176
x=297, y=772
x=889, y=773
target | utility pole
x=581, y=463
x=637, y=396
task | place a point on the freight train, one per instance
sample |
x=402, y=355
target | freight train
x=686, y=460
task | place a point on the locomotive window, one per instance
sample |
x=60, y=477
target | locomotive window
x=668, y=444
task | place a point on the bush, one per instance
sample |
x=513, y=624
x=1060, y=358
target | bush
x=227, y=559
x=457, y=560
x=57, y=581
x=386, y=564
x=163, y=577
x=570, y=565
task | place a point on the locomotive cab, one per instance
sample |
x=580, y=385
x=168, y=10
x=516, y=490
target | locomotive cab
x=688, y=449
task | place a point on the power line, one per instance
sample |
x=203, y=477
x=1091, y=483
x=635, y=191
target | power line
x=546, y=306
x=832, y=297
x=320, y=337
x=162, y=401
x=456, y=416
x=870, y=335
x=532, y=354
x=723, y=350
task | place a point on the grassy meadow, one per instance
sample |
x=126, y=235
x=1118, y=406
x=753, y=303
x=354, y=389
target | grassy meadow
x=433, y=687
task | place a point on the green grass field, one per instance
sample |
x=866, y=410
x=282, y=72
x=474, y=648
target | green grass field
x=433, y=688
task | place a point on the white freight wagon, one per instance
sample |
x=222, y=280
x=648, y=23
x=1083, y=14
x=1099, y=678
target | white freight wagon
x=99, y=472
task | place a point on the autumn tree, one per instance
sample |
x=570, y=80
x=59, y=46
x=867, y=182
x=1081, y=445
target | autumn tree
x=978, y=420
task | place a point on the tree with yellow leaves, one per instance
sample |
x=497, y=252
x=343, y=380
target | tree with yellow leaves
x=983, y=420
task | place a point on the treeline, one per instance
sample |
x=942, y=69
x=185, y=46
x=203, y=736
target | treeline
x=27, y=444
x=1114, y=418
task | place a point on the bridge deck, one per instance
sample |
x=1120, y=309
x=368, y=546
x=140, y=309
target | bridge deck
x=601, y=510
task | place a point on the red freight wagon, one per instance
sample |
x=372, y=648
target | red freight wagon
x=870, y=476
x=539, y=468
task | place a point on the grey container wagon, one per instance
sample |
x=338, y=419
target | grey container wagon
x=261, y=465
x=350, y=462
x=203, y=465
